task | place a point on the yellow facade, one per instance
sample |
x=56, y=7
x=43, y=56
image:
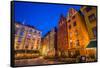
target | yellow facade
x=90, y=19
x=77, y=33
x=90, y=15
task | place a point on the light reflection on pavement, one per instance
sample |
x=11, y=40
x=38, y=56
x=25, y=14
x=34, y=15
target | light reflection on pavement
x=35, y=61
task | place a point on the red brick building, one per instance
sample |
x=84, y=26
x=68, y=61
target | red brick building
x=62, y=42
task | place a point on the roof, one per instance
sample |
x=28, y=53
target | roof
x=30, y=26
x=92, y=44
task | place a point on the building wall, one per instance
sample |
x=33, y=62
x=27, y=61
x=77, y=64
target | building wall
x=90, y=19
x=26, y=38
x=77, y=32
x=62, y=35
x=19, y=36
x=48, y=43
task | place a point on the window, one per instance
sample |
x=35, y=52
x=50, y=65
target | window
x=22, y=31
x=32, y=47
x=71, y=43
x=28, y=35
x=74, y=24
x=19, y=39
x=38, y=41
x=68, y=20
x=88, y=9
x=30, y=31
x=92, y=17
x=35, y=31
x=69, y=26
x=17, y=47
x=94, y=31
x=70, y=34
x=73, y=17
x=26, y=46
x=77, y=42
x=76, y=32
x=38, y=32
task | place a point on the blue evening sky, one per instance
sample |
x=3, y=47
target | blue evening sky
x=43, y=17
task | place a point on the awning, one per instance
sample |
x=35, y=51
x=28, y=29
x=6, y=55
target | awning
x=92, y=44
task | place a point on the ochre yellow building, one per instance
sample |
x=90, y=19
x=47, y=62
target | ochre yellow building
x=90, y=15
x=78, y=37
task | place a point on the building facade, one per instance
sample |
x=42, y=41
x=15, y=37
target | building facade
x=62, y=37
x=78, y=37
x=90, y=15
x=27, y=40
x=49, y=43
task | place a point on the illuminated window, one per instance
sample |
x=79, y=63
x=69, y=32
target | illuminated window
x=71, y=43
x=77, y=42
x=22, y=31
x=92, y=17
x=70, y=34
x=20, y=39
x=28, y=35
x=76, y=32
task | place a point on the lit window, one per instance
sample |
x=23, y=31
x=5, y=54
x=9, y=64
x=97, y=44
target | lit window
x=92, y=17
x=28, y=35
x=70, y=34
x=19, y=39
x=76, y=32
x=22, y=31
x=71, y=43
x=77, y=42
